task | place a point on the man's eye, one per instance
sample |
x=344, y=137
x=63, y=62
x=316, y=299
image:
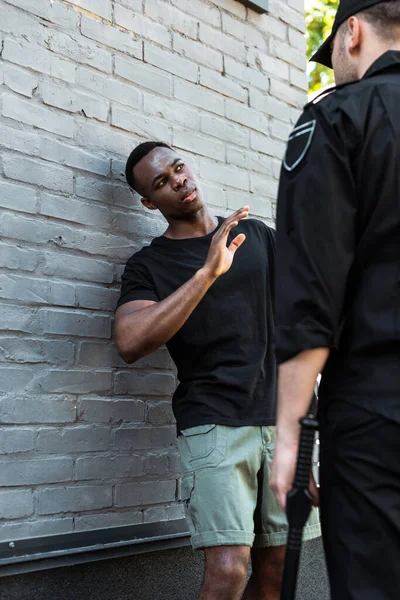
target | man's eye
x=161, y=183
x=180, y=167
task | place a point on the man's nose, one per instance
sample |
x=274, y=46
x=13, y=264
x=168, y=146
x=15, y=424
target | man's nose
x=180, y=181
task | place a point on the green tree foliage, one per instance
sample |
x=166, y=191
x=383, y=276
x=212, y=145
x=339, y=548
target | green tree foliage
x=320, y=15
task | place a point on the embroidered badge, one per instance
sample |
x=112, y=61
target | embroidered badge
x=298, y=144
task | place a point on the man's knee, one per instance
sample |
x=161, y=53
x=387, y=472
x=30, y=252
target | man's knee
x=227, y=566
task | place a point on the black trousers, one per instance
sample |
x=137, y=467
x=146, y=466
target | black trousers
x=360, y=502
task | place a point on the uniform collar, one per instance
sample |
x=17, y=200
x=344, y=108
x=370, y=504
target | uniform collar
x=389, y=60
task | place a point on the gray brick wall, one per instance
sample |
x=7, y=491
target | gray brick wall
x=86, y=441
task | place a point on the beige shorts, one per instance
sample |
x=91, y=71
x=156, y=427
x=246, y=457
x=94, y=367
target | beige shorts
x=225, y=488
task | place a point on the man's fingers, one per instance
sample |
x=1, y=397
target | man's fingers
x=236, y=243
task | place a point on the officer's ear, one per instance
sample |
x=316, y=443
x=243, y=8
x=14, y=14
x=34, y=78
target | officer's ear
x=354, y=34
x=148, y=204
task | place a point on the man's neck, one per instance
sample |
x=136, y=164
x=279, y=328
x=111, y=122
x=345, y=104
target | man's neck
x=372, y=55
x=201, y=224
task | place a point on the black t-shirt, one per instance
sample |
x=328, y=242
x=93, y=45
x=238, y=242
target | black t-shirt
x=224, y=352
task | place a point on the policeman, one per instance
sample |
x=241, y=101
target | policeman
x=338, y=299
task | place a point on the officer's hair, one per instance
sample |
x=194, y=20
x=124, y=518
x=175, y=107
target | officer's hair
x=384, y=17
x=136, y=155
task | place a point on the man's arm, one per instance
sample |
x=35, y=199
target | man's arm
x=296, y=384
x=143, y=326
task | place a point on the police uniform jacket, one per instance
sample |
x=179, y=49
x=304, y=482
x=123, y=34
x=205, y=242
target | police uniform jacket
x=338, y=239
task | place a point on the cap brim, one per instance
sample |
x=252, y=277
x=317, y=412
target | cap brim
x=323, y=56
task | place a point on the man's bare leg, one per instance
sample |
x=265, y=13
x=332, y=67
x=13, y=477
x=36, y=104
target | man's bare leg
x=225, y=572
x=266, y=579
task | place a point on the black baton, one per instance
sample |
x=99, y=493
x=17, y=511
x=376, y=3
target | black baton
x=298, y=507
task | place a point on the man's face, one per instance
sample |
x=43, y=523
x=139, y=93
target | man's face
x=343, y=65
x=168, y=183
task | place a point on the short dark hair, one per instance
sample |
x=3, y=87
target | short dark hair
x=384, y=17
x=136, y=155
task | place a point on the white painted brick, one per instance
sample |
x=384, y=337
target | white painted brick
x=172, y=17
x=74, y=382
x=99, y=354
x=198, y=96
x=16, y=504
x=222, y=174
x=289, y=94
x=250, y=160
x=222, y=84
x=267, y=64
x=74, y=323
x=269, y=105
x=96, y=297
x=111, y=37
x=220, y=41
x=214, y=195
x=108, y=410
x=17, y=318
x=69, y=266
x=77, y=211
x=245, y=32
x=51, y=440
x=172, y=63
x=80, y=51
x=37, y=59
x=232, y=6
x=144, y=75
x=102, y=8
x=108, y=467
x=89, y=134
x=198, y=52
x=280, y=130
x=36, y=290
x=292, y=56
x=262, y=185
x=154, y=384
x=22, y=141
x=246, y=74
x=19, y=350
x=200, y=10
x=15, y=380
x=137, y=5
x=259, y=207
x=142, y=26
x=109, y=519
x=74, y=499
x=17, y=197
x=222, y=129
x=299, y=79
x=20, y=81
x=246, y=116
x=111, y=89
x=170, y=110
x=32, y=472
x=138, y=123
x=269, y=24
x=266, y=145
x=37, y=409
x=297, y=40
x=38, y=172
x=72, y=156
x=32, y=529
x=15, y=440
x=145, y=493
x=36, y=115
x=199, y=144
x=58, y=13
x=287, y=14
x=74, y=101
x=22, y=24
x=17, y=258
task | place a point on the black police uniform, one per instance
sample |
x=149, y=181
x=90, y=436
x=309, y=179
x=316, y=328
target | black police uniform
x=338, y=286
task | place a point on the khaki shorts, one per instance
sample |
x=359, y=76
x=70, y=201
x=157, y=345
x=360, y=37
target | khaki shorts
x=225, y=488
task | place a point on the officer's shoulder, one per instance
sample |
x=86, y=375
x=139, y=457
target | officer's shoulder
x=339, y=98
x=258, y=226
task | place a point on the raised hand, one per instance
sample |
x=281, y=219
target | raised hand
x=220, y=256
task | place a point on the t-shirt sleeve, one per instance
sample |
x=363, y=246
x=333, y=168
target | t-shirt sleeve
x=316, y=230
x=137, y=283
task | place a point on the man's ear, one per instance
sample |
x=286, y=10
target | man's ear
x=148, y=204
x=354, y=33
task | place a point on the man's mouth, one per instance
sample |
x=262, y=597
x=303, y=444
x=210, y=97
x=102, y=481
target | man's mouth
x=190, y=196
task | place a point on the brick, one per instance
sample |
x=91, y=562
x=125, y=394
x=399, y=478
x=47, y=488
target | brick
x=109, y=519
x=18, y=140
x=220, y=41
x=63, y=154
x=139, y=124
x=17, y=258
x=99, y=354
x=36, y=290
x=16, y=504
x=13, y=440
x=198, y=52
x=245, y=74
x=145, y=493
x=298, y=78
x=95, y=297
x=153, y=384
x=259, y=206
x=33, y=529
x=198, y=96
x=233, y=7
x=80, y=51
x=37, y=116
x=288, y=15
x=93, y=189
x=270, y=66
x=245, y=32
x=271, y=106
x=110, y=410
x=160, y=359
x=160, y=413
x=199, y=144
x=34, y=472
x=133, y=438
x=297, y=40
x=172, y=63
x=246, y=116
x=215, y=196
x=250, y=160
x=172, y=17
x=37, y=409
x=224, y=130
x=200, y=10
x=76, y=267
x=141, y=225
x=164, y=513
x=23, y=24
x=37, y=59
x=76, y=498
x=102, y=8
x=268, y=25
x=142, y=26
x=57, y=13
x=20, y=81
x=17, y=318
x=137, y=5
x=74, y=210
x=289, y=94
x=17, y=197
x=146, y=76
x=163, y=437
x=265, y=144
x=75, y=323
x=222, y=84
x=266, y=186
x=111, y=37
x=157, y=465
x=72, y=439
x=14, y=380
x=108, y=467
x=288, y=54
x=111, y=88
x=170, y=110
x=38, y=172
x=280, y=130
x=225, y=175
x=74, y=101
x=74, y=381
x=19, y=350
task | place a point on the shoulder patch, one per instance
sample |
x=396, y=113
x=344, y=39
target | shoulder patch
x=298, y=144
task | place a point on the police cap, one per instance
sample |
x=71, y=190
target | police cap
x=347, y=9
